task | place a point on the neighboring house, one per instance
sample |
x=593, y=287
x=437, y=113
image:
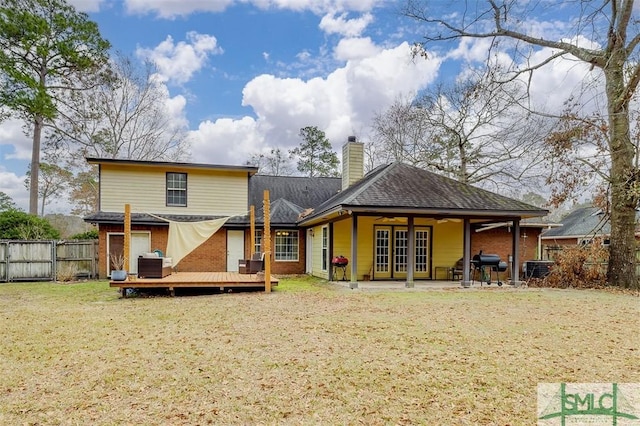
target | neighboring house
x=578, y=227
x=375, y=220
x=491, y=237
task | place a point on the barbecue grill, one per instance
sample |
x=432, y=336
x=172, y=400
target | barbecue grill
x=491, y=262
x=340, y=262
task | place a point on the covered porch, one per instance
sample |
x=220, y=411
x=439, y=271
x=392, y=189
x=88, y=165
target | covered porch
x=400, y=222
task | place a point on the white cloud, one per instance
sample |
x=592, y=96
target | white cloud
x=551, y=85
x=178, y=62
x=226, y=141
x=355, y=48
x=13, y=185
x=341, y=104
x=557, y=81
x=471, y=50
x=11, y=133
x=331, y=24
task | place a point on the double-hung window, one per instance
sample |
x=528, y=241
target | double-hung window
x=176, y=189
x=286, y=245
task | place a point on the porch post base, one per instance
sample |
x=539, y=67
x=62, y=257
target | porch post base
x=465, y=283
x=353, y=284
x=409, y=284
x=518, y=284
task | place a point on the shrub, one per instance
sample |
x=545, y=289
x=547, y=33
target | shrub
x=17, y=225
x=89, y=235
x=579, y=267
x=67, y=272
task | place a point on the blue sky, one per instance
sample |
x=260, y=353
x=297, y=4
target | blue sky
x=245, y=76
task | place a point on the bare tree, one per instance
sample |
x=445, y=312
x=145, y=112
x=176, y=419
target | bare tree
x=54, y=180
x=84, y=192
x=609, y=26
x=275, y=163
x=125, y=116
x=472, y=130
x=578, y=158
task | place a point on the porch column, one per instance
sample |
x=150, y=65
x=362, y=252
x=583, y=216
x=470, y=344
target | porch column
x=411, y=253
x=354, y=251
x=515, y=266
x=466, y=253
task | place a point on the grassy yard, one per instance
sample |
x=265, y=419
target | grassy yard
x=308, y=353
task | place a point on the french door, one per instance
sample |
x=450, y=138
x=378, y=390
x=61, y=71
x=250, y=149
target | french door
x=391, y=252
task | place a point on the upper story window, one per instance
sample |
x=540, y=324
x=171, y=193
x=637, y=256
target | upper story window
x=176, y=189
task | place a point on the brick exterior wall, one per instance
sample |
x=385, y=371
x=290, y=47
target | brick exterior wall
x=210, y=256
x=499, y=241
x=281, y=267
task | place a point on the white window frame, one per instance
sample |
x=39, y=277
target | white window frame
x=182, y=191
x=325, y=248
x=293, y=236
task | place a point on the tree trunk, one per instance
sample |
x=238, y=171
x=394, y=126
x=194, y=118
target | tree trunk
x=622, y=250
x=35, y=165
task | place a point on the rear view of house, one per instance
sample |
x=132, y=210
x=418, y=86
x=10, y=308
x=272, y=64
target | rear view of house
x=397, y=222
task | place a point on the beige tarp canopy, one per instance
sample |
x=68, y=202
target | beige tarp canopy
x=185, y=237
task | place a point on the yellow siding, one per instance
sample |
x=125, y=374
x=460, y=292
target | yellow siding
x=365, y=246
x=342, y=243
x=209, y=192
x=447, y=244
x=317, y=254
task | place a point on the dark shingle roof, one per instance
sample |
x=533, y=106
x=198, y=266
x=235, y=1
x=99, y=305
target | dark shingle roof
x=304, y=192
x=581, y=222
x=402, y=186
x=282, y=212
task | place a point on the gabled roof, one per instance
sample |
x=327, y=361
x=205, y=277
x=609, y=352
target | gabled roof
x=282, y=212
x=399, y=187
x=305, y=192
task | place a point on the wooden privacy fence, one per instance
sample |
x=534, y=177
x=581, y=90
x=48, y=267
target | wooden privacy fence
x=47, y=260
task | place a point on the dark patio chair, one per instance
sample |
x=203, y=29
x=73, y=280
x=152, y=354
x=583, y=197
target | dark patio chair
x=256, y=263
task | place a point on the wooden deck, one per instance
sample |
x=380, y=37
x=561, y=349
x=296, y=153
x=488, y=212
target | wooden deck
x=220, y=280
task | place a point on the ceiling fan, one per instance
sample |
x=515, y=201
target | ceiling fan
x=386, y=219
x=448, y=219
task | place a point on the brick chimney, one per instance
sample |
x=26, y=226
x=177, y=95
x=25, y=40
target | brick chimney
x=352, y=162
